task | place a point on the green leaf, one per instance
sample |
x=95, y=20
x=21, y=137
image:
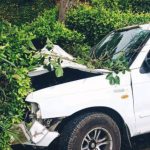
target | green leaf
x=2, y=47
x=7, y=61
x=49, y=44
x=108, y=76
x=59, y=72
x=32, y=46
x=112, y=80
x=117, y=80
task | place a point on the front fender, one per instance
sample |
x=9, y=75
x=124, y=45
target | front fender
x=69, y=98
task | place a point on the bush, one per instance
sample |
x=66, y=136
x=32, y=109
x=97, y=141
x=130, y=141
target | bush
x=16, y=58
x=47, y=26
x=125, y=5
x=22, y=11
x=135, y=5
x=96, y=22
x=109, y=4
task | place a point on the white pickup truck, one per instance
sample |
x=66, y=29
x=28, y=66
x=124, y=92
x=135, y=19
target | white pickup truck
x=81, y=110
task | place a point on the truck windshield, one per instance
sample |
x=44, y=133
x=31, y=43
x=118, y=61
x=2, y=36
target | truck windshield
x=127, y=41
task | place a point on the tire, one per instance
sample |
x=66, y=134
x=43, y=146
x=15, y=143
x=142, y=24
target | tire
x=99, y=126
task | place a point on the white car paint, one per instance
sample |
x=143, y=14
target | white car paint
x=66, y=99
x=91, y=92
x=141, y=86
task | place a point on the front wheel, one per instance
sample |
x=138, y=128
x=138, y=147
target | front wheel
x=92, y=131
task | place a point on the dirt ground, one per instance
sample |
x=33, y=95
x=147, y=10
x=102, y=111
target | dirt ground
x=140, y=143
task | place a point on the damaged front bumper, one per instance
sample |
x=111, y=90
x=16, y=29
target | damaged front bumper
x=38, y=135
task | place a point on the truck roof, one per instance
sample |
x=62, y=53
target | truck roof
x=143, y=26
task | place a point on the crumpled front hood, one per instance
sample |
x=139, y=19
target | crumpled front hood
x=68, y=62
x=73, y=87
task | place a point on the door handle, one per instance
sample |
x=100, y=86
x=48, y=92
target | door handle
x=119, y=90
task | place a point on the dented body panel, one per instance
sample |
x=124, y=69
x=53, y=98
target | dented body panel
x=86, y=93
x=38, y=135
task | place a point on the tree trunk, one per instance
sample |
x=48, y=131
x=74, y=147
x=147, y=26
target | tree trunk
x=63, y=6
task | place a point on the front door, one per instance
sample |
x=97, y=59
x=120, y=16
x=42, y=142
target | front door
x=141, y=93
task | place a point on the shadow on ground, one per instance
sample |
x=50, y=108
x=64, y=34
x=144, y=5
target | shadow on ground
x=140, y=143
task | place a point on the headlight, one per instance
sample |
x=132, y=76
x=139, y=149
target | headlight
x=35, y=111
x=38, y=114
x=34, y=108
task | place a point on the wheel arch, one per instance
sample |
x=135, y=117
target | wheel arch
x=106, y=110
x=124, y=129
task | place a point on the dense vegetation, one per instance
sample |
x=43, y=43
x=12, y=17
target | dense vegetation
x=95, y=20
x=15, y=58
x=85, y=25
x=21, y=11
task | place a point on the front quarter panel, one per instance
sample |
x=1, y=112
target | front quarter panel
x=69, y=98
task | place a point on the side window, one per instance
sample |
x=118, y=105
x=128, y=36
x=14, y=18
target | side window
x=145, y=68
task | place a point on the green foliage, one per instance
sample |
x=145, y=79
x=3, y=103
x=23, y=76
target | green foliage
x=135, y=5
x=114, y=66
x=109, y=4
x=113, y=79
x=85, y=26
x=124, y=5
x=15, y=59
x=46, y=25
x=21, y=11
x=95, y=22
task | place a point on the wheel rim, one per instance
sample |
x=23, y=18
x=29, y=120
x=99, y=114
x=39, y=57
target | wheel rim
x=97, y=139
